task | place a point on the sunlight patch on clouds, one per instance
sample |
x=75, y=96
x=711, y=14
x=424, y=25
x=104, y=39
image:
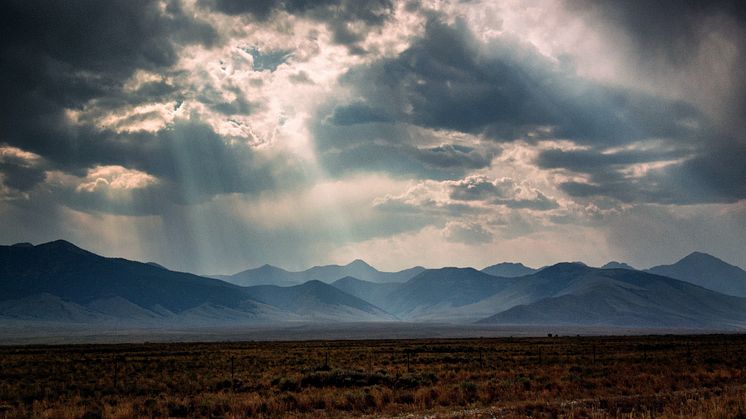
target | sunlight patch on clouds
x=10, y=154
x=149, y=118
x=115, y=178
x=638, y=171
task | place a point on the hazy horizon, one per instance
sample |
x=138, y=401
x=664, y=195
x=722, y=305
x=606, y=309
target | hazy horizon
x=211, y=136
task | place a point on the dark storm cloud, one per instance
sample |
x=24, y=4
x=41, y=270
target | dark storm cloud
x=441, y=162
x=67, y=52
x=669, y=37
x=21, y=177
x=504, y=90
x=348, y=20
x=721, y=170
x=671, y=29
x=191, y=163
x=456, y=156
x=713, y=176
x=358, y=113
x=66, y=55
x=60, y=55
x=713, y=173
x=587, y=161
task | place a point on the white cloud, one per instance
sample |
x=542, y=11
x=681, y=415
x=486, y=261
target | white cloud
x=114, y=178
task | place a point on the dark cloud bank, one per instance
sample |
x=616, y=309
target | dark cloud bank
x=505, y=91
x=59, y=56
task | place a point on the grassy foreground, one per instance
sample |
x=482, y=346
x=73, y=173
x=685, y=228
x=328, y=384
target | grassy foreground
x=666, y=376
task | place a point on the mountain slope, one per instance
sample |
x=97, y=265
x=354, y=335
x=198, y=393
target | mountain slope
x=706, y=271
x=509, y=270
x=373, y=292
x=36, y=279
x=620, y=297
x=432, y=293
x=271, y=275
x=523, y=290
x=315, y=300
x=263, y=275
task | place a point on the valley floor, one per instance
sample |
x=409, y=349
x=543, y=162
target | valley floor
x=49, y=333
x=576, y=376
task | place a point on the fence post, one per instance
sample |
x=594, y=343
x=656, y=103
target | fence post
x=594, y=353
x=117, y=360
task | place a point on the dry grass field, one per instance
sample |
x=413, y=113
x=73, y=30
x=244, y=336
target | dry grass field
x=649, y=376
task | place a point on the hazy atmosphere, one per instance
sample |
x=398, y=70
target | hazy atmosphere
x=215, y=135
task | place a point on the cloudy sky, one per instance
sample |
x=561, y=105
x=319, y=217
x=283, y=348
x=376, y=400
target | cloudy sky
x=216, y=135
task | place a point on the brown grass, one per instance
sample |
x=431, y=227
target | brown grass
x=658, y=376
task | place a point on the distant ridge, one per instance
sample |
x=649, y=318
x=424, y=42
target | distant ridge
x=316, y=300
x=572, y=294
x=76, y=277
x=433, y=295
x=58, y=282
x=374, y=292
x=706, y=271
x=508, y=270
x=272, y=275
x=618, y=265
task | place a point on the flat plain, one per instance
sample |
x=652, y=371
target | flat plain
x=570, y=376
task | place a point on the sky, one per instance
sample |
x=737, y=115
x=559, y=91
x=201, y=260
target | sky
x=215, y=135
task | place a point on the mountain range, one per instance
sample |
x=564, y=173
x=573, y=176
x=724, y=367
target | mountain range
x=60, y=282
x=578, y=295
x=272, y=275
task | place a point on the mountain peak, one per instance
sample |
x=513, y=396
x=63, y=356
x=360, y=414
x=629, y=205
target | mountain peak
x=618, y=265
x=565, y=268
x=313, y=283
x=696, y=255
x=706, y=271
x=509, y=270
x=359, y=263
x=23, y=244
x=60, y=244
x=156, y=265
